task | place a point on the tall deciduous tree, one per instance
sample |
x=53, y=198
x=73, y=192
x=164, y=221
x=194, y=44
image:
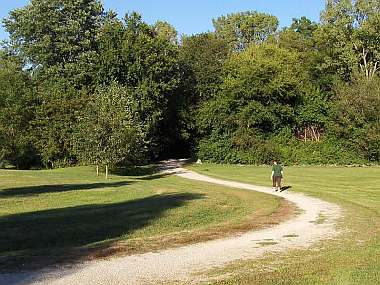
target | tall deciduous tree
x=261, y=88
x=56, y=116
x=51, y=32
x=357, y=119
x=153, y=69
x=304, y=26
x=242, y=29
x=135, y=55
x=57, y=41
x=16, y=113
x=166, y=31
x=314, y=108
x=299, y=36
x=203, y=57
x=348, y=37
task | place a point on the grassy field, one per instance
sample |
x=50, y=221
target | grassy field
x=353, y=258
x=67, y=215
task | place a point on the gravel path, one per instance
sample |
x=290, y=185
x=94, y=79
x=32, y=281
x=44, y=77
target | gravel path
x=316, y=222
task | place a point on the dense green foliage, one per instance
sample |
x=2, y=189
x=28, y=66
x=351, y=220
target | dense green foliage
x=357, y=119
x=80, y=85
x=15, y=113
x=241, y=29
x=109, y=133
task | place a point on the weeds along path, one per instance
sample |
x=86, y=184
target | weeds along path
x=315, y=222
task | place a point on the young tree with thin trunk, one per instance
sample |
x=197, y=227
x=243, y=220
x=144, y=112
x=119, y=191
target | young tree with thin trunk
x=109, y=133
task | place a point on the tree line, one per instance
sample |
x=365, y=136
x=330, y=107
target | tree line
x=79, y=85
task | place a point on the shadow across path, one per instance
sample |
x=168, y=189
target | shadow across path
x=60, y=230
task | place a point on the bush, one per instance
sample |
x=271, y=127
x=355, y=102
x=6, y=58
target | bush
x=283, y=147
x=326, y=152
x=224, y=150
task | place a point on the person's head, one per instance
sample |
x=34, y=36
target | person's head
x=275, y=162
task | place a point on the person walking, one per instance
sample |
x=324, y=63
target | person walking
x=277, y=174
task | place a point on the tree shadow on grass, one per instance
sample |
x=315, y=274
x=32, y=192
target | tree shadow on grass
x=39, y=239
x=149, y=172
x=42, y=189
x=154, y=176
x=136, y=170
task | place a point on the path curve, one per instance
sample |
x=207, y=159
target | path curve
x=302, y=231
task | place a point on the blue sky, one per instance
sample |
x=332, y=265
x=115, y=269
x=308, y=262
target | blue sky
x=191, y=17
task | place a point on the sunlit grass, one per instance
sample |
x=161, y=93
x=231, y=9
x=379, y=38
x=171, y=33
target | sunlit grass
x=353, y=258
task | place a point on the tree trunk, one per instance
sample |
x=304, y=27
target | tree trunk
x=97, y=170
x=106, y=172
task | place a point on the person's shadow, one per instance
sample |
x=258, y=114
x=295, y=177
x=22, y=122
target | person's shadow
x=285, y=188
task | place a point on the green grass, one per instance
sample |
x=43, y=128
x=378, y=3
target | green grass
x=70, y=214
x=352, y=258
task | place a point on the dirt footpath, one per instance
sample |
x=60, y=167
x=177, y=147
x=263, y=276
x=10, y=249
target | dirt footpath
x=316, y=222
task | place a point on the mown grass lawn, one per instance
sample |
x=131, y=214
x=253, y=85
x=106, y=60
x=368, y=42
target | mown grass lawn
x=353, y=258
x=67, y=215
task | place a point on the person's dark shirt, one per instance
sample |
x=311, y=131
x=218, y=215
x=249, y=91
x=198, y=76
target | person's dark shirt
x=277, y=170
